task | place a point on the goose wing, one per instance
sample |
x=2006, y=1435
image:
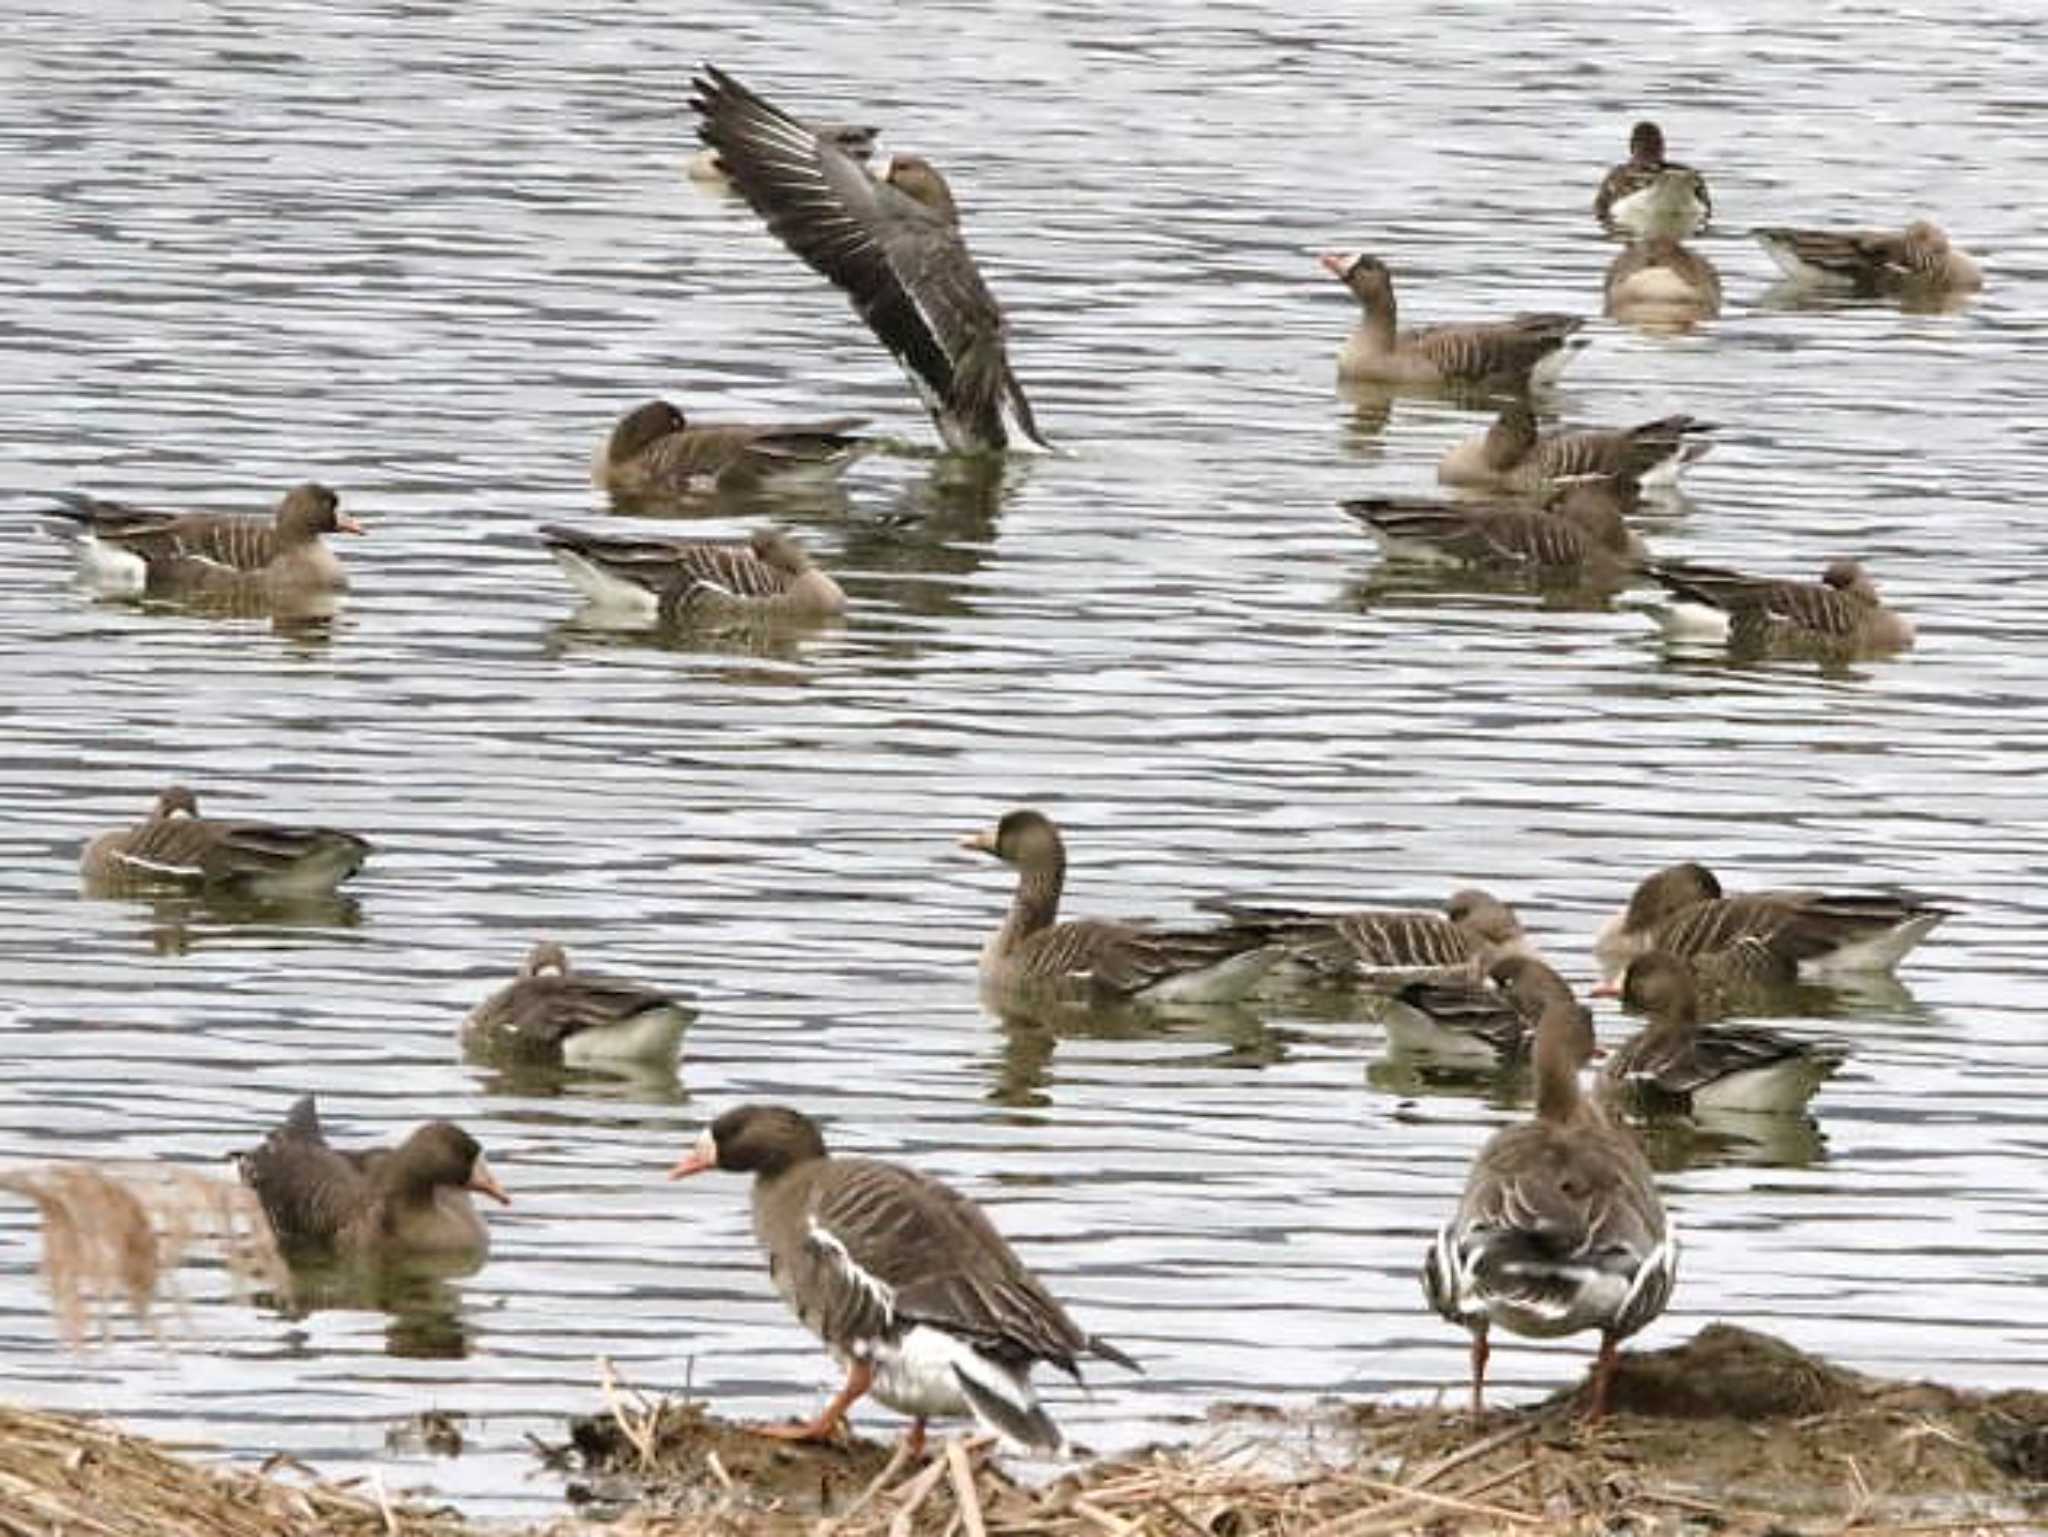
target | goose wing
x=671, y=565
x=307, y=1189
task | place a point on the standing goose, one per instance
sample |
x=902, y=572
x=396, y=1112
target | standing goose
x=1580, y=535
x=894, y=245
x=553, y=1014
x=1560, y=1228
x=1658, y=282
x=856, y=141
x=1866, y=261
x=905, y=1280
x=690, y=581
x=124, y=549
x=1650, y=195
x=1508, y=354
x=177, y=847
x=1682, y=909
x=654, y=453
x=1841, y=615
x=1675, y=1065
x=1385, y=947
x=1034, y=949
x=1512, y=456
x=386, y=1204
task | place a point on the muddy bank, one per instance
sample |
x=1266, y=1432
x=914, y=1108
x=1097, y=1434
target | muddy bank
x=1731, y=1433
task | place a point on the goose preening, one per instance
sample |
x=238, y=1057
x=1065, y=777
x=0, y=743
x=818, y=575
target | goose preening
x=1385, y=946
x=175, y=847
x=1649, y=195
x=1840, y=616
x=1560, y=1228
x=1580, y=535
x=655, y=453
x=553, y=1013
x=1511, y=354
x=1512, y=455
x=694, y=581
x=1919, y=259
x=906, y=1281
x=128, y=550
x=893, y=243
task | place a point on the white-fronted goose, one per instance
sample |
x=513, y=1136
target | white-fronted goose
x=384, y=1204
x=1650, y=195
x=1386, y=946
x=653, y=453
x=905, y=1280
x=553, y=1014
x=1682, y=910
x=1580, y=535
x=1560, y=1227
x=1033, y=949
x=1674, y=1065
x=1486, y=1020
x=1868, y=261
x=1661, y=282
x=854, y=140
x=1841, y=615
x=694, y=581
x=1512, y=456
x=124, y=549
x=1531, y=348
x=894, y=245
x=177, y=847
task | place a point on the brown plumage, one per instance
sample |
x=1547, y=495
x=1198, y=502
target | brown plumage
x=1841, y=615
x=1580, y=535
x=552, y=1013
x=1387, y=946
x=1651, y=195
x=654, y=453
x=856, y=140
x=1920, y=259
x=905, y=1280
x=1501, y=354
x=131, y=549
x=689, y=581
x=1658, y=280
x=1513, y=456
x=177, y=847
x=384, y=1204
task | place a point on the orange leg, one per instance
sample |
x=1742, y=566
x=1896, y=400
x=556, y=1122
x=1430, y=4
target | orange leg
x=1603, y=1375
x=1480, y=1351
x=859, y=1378
x=913, y=1440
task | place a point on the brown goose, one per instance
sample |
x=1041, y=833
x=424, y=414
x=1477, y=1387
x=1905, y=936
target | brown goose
x=654, y=453
x=124, y=549
x=1470, y=1021
x=1651, y=195
x=1580, y=535
x=1385, y=947
x=1867, y=261
x=905, y=1280
x=1841, y=615
x=855, y=141
x=1681, y=909
x=1512, y=456
x=553, y=1014
x=1560, y=1228
x=1504, y=354
x=177, y=847
x=694, y=581
x=1674, y=1065
x=894, y=245
x=1660, y=282
x=1033, y=949
x=385, y=1204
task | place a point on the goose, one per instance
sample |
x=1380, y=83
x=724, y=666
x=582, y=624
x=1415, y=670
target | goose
x=1532, y=348
x=1867, y=261
x=654, y=452
x=1512, y=456
x=854, y=140
x=411, y=1202
x=1386, y=947
x=128, y=550
x=176, y=847
x=1682, y=909
x=1841, y=615
x=1468, y=1020
x=551, y=1013
x=694, y=581
x=906, y=1281
x=1579, y=535
x=1650, y=195
x=1659, y=281
x=893, y=243
x=1675, y=1065
x=1560, y=1227
x=1033, y=949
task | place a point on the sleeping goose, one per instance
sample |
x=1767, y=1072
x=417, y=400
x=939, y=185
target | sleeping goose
x=1034, y=950
x=655, y=453
x=1682, y=910
x=1579, y=535
x=1509, y=354
x=856, y=141
x=1920, y=259
x=1659, y=283
x=553, y=1014
x=1840, y=616
x=1560, y=1227
x=893, y=243
x=1650, y=195
x=1386, y=946
x=177, y=847
x=124, y=549
x=1512, y=456
x=905, y=1280
x=694, y=581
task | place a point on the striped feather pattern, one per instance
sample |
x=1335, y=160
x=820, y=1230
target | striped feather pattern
x=1840, y=614
x=770, y=576
x=1501, y=534
x=1509, y=348
x=177, y=846
x=1474, y=929
x=537, y=1015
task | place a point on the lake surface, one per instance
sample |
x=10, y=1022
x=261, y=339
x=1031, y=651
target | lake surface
x=429, y=254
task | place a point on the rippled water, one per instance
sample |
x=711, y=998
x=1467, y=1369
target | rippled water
x=429, y=254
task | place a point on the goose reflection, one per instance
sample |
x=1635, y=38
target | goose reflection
x=179, y=923
x=640, y=1083
x=423, y=1308
x=916, y=556
x=1229, y=1036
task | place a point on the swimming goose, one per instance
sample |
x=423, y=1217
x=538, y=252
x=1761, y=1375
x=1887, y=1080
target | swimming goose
x=695, y=581
x=1674, y=1065
x=1867, y=261
x=1560, y=1227
x=906, y=1281
x=1651, y=195
x=653, y=452
x=385, y=1204
x=1488, y=1019
x=1840, y=615
x=1383, y=947
x=1658, y=281
x=1682, y=910
x=1512, y=456
x=894, y=245
x=1579, y=535
x=854, y=140
x=124, y=549
x=1131, y=961
x=177, y=847
x=553, y=1014
x=1507, y=353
